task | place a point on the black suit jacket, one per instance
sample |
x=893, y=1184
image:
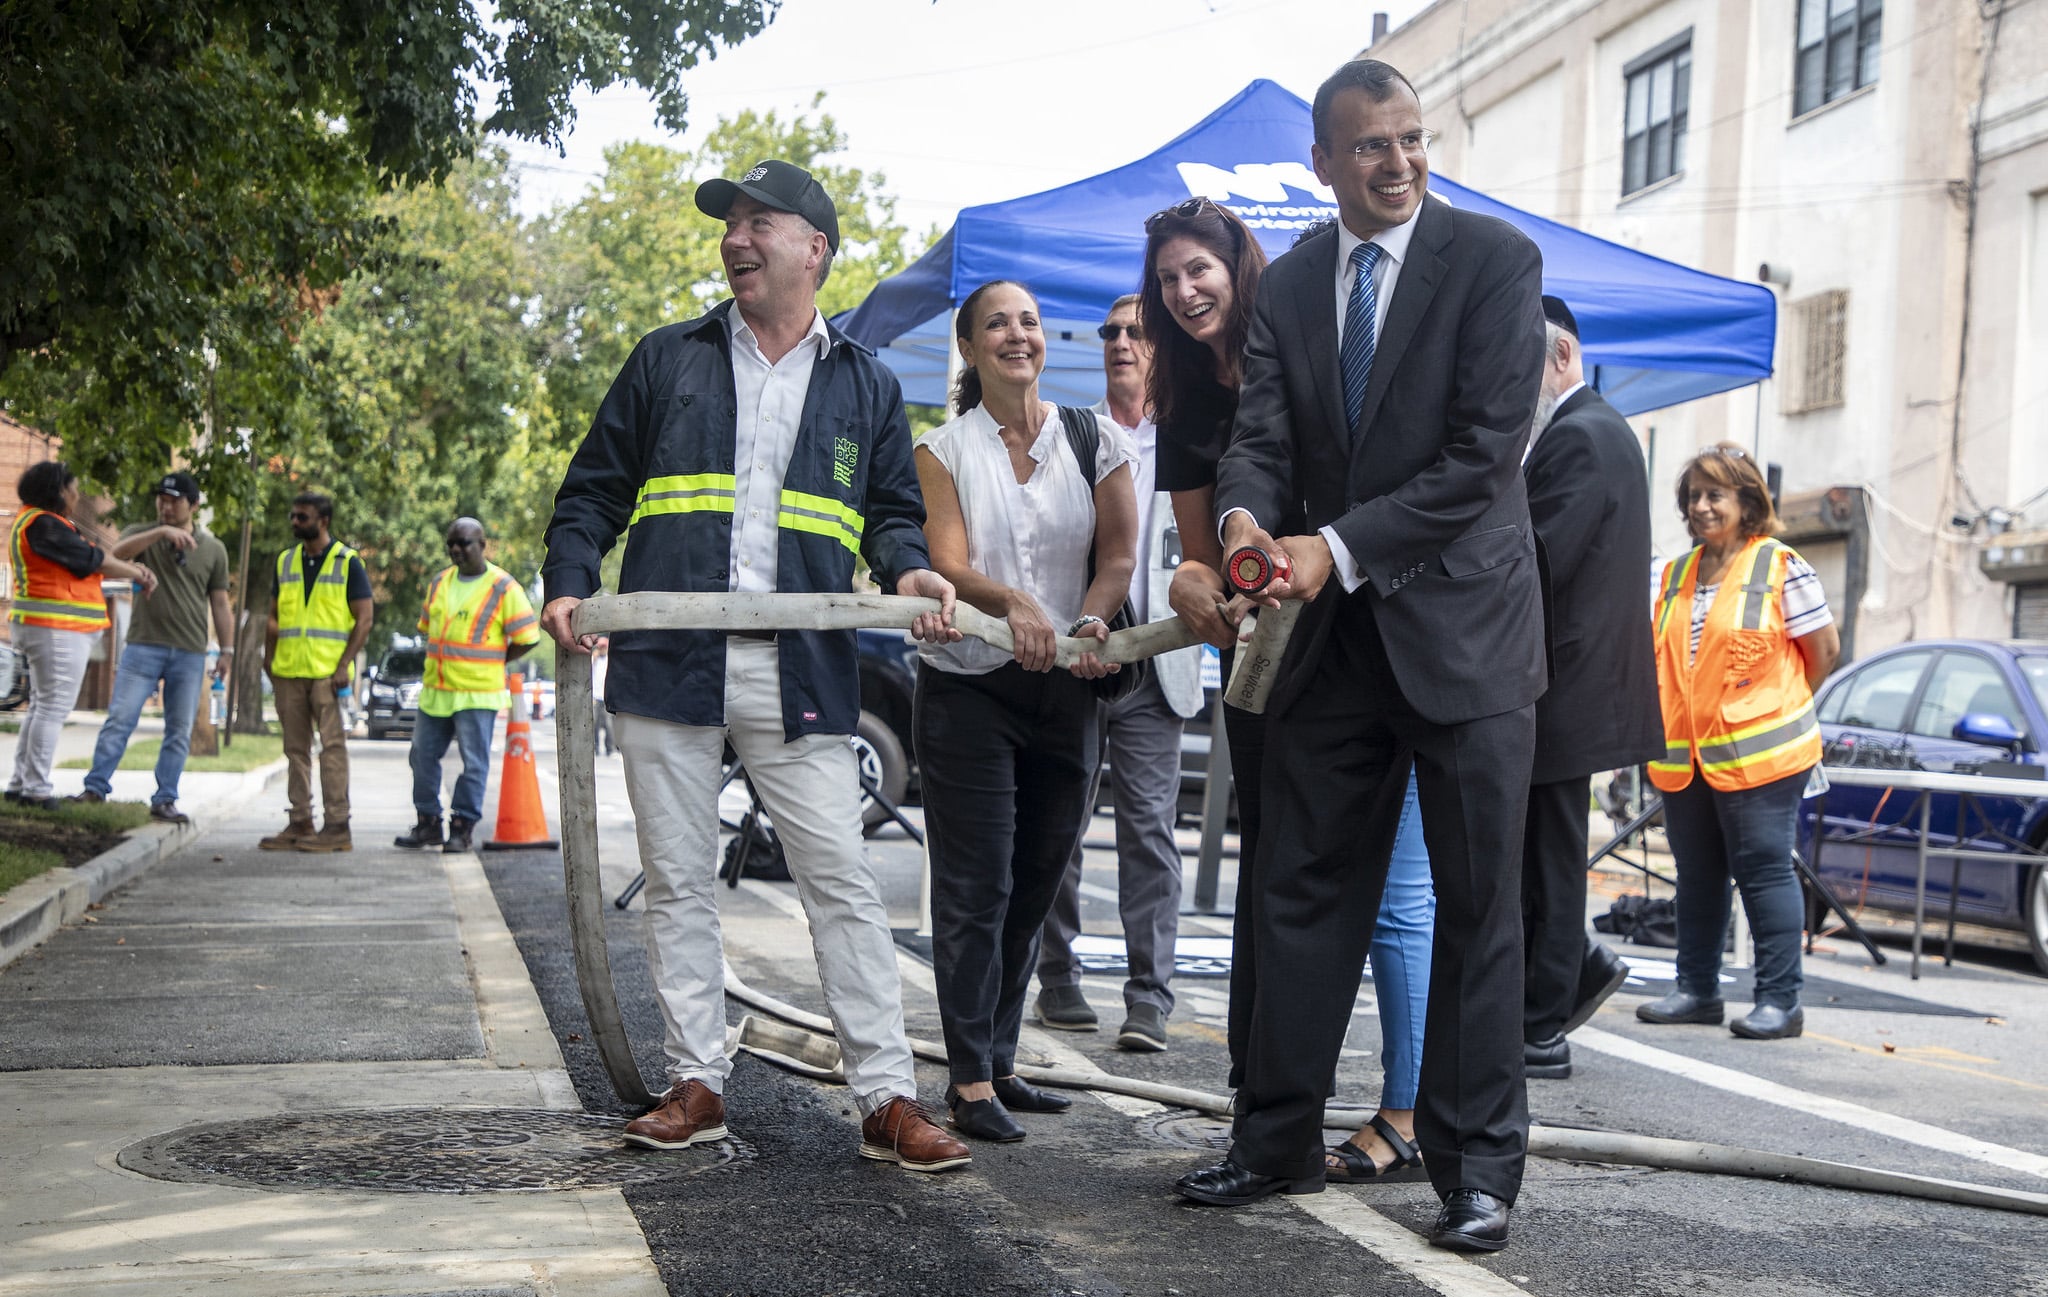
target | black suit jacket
x=1590, y=502
x=1427, y=491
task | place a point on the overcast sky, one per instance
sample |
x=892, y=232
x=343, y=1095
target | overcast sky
x=964, y=101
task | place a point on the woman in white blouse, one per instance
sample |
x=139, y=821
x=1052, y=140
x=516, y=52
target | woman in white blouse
x=1005, y=746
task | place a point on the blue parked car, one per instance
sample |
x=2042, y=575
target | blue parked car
x=1943, y=705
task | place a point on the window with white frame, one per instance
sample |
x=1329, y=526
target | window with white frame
x=1653, y=129
x=1837, y=45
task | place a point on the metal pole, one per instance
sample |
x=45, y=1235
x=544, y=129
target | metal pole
x=1215, y=811
x=227, y=730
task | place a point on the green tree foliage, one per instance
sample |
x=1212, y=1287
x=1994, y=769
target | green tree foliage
x=187, y=180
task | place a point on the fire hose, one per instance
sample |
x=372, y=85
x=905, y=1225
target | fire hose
x=575, y=721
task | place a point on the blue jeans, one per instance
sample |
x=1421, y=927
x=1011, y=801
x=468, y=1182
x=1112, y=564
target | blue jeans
x=471, y=731
x=142, y=665
x=1744, y=836
x=1401, y=940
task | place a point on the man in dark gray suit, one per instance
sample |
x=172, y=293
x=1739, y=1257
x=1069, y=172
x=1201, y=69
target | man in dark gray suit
x=1390, y=379
x=1590, y=501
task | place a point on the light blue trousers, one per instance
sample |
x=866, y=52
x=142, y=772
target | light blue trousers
x=1400, y=956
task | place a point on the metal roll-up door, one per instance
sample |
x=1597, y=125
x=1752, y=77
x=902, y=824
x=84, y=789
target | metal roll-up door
x=2030, y=611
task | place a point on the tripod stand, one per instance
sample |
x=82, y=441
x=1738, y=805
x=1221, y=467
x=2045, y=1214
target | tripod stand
x=748, y=828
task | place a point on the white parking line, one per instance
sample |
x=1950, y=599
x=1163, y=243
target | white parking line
x=1443, y=1272
x=1817, y=1105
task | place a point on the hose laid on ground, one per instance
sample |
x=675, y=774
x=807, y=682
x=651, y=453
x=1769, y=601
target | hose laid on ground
x=1562, y=1143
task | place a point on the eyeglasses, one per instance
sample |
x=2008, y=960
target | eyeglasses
x=1185, y=211
x=1108, y=332
x=1368, y=153
x=462, y=544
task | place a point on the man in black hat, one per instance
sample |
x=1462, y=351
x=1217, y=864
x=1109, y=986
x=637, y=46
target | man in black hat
x=754, y=449
x=1590, y=502
x=166, y=640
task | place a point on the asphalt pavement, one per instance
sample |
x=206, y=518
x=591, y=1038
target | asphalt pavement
x=299, y=1074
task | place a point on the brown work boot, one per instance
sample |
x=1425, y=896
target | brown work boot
x=900, y=1131
x=690, y=1113
x=331, y=837
x=294, y=833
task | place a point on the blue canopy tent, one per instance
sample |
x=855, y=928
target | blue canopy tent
x=1655, y=333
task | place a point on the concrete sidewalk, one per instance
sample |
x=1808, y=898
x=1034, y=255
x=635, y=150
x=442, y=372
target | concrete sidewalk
x=331, y=1022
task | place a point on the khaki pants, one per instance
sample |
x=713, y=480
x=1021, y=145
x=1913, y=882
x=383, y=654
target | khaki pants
x=302, y=707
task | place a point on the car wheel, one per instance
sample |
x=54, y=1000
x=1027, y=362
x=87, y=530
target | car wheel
x=2035, y=914
x=883, y=764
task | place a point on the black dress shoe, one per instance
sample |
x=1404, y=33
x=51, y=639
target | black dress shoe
x=1548, y=1060
x=1227, y=1184
x=1471, y=1221
x=1601, y=974
x=1019, y=1095
x=1770, y=1022
x=983, y=1119
x=1683, y=1006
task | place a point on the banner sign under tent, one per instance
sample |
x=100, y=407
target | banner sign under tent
x=1656, y=333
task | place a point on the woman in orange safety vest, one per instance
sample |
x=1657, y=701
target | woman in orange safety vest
x=57, y=613
x=1743, y=635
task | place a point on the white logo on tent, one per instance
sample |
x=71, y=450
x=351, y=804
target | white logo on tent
x=1261, y=190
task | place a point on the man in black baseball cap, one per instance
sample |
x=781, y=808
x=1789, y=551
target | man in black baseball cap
x=179, y=486
x=780, y=185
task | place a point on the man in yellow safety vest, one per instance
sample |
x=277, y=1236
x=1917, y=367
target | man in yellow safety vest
x=476, y=619
x=317, y=626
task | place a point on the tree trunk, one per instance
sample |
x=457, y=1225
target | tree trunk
x=248, y=681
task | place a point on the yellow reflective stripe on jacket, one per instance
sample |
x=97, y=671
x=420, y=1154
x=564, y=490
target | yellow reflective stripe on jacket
x=1758, y=742
x=1756, y=589
x=821, y=515
x=1675, y=575
x=685, y=493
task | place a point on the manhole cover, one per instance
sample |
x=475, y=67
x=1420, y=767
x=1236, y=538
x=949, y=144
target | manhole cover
x=1185, y=1130
x=418, y=1150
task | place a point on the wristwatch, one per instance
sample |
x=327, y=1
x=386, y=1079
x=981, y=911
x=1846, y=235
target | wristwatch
x=1083, y=620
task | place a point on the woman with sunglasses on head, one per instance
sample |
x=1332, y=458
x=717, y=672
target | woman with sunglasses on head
x=1007, y=743
x=1743, y=636
x=1202, y=271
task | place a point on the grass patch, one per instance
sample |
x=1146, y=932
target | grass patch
x=247, y=752
x=10, y=725
x=34, y=841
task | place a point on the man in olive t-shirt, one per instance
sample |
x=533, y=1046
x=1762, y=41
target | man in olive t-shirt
x=166, y=640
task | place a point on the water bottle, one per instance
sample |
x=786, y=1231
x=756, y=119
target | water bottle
x=218, y=702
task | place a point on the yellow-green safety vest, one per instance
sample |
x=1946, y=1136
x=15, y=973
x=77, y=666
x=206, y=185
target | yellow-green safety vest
x=311, y=633
x=466, y=636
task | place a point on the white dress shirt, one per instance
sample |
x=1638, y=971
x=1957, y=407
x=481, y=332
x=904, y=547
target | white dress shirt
x=770, y=404
x=1032, y=536
x=1144, y=473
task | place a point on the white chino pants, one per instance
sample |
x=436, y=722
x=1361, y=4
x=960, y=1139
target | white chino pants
x=811, y=791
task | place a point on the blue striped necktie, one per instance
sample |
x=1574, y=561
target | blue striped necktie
x=1358, y=330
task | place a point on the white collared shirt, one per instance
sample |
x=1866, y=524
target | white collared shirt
x=770, y=405
x=1386, y=273
x=1144, y=473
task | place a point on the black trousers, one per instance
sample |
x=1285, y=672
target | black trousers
x=1553, y=903
x=1005, y=760
x=1336, y=771
x=1246, y=734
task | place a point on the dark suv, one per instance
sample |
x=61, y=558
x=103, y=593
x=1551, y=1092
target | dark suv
x=394, y=691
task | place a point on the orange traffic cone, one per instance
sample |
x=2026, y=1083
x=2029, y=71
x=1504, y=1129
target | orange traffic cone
x=522, y=824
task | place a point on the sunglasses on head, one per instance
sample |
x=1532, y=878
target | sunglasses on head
x=1108, y=332
x=1185, y=211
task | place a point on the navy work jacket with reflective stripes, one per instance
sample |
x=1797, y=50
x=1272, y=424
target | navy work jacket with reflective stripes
x=659, y=459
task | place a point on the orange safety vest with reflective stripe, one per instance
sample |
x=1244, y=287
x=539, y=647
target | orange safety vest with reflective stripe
x=45, y=592
x=466, y=636
x=1740, y=710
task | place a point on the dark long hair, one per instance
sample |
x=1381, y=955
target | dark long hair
x=1178, y=361
x=42, y=486
x=967, y=392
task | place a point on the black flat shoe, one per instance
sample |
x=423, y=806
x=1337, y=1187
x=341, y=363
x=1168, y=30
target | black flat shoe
x=1601, y=974
x=1770, y=1022
x=1227, y=1184
x=1471, y=1221
x=1355, y=1165
x=1019, y=1095
x=983, y=1119
x=1683, y=1006
x=1547, y=1060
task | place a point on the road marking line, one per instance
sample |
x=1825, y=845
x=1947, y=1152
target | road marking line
x=1817, y=1105
x=1397, y=1245
x=1909, y=1054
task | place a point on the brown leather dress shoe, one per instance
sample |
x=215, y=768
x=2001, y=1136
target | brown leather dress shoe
x=900, y=1131
x=690, y=1113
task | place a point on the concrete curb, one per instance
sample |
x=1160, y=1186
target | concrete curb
x=31, y=911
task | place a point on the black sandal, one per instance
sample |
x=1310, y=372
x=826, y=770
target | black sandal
x=1355, y=1165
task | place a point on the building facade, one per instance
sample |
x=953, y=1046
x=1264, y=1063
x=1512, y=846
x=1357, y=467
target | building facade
x=1883, y=165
